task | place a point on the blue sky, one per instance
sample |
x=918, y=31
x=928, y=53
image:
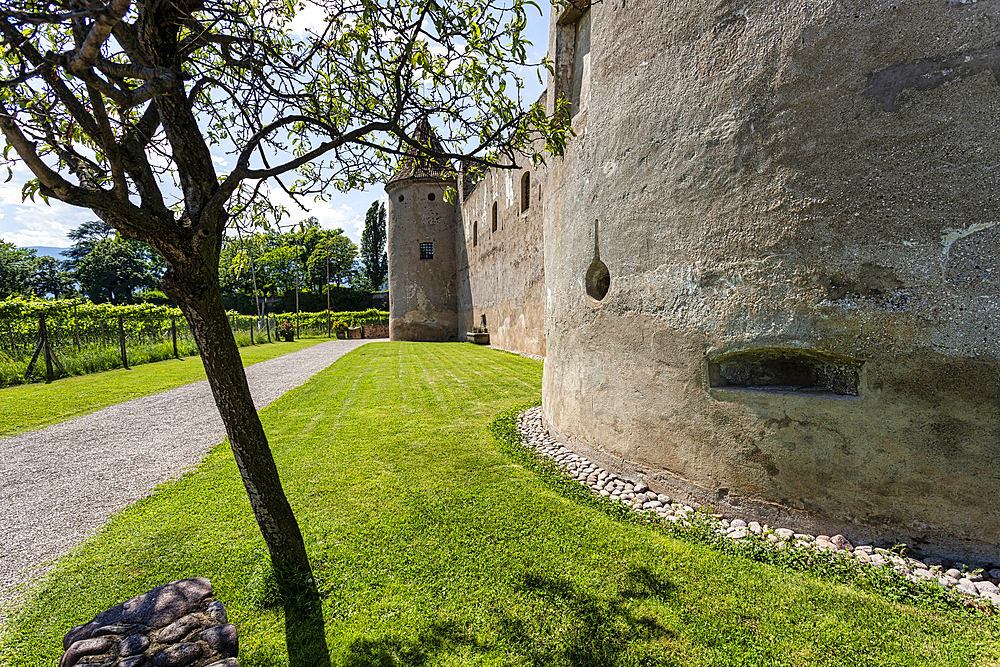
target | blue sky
x=37, y=224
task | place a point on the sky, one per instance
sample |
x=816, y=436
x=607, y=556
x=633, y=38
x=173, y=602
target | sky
x=34, y=223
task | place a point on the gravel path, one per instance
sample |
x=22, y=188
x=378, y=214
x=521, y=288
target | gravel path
x=58, y=485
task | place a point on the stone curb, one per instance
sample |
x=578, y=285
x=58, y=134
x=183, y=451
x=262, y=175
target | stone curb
x=635, y=494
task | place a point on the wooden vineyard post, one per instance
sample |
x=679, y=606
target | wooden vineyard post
x=76, y=329
x=173, y=334
x=121, y=340
x=252, y=342
x=267, y=324
x=45, y=349
x=44, y=334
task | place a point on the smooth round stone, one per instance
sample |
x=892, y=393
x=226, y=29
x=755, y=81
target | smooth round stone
x=663, y=498
x=784, y=533
x=605, y=493
x=841, y=543
x=737, y=534
x=986, y=588
x=652, y=504
x=736, y=523
x=754, y=527
x=967, y=586
x=954, y=573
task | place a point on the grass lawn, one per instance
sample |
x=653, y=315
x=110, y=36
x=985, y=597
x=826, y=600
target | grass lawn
x=32, y=406
x=432, y=547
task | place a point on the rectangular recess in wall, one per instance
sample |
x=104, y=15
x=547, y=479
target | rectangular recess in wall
x=787, y=371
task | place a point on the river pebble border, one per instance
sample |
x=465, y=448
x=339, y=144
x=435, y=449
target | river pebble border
x=954, y=576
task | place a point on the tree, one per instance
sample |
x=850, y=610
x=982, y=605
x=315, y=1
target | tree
x=341, y=252
x=116, y=107
x=16, y=269
x=113, y=272
x=375, y=261
x=106, y=268
x=48, y=279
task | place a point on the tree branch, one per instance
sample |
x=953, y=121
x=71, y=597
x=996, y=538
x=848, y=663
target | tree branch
x=90, y=50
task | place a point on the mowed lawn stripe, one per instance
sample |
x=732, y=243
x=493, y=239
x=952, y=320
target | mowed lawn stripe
x=431, y=547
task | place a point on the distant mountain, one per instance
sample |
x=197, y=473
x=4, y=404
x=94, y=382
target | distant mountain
x=48, y=250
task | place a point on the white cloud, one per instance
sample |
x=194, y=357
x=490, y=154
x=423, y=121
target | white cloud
x=33, y=223
x=311, y=18
x=346, y=211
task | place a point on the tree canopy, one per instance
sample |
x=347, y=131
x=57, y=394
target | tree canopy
x=109, y=269
x=24, y=272
x=374, y=260
x=17, y=266
x=281, y=261
x=106, y=104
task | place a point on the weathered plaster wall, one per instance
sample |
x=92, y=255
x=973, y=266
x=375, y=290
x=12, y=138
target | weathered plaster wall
x=787, y=176
x=501, y=272
x=423, y=294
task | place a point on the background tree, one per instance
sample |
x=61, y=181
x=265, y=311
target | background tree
x=375, y=261
x=17, y=265
x=114, y=272
x=48, y=280
x=342, y=253
x=109, y=269
x=114, y=107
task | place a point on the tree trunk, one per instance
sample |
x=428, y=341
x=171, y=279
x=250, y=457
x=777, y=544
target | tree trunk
x=200, y=299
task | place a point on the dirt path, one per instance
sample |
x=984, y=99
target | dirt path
x=60, y=484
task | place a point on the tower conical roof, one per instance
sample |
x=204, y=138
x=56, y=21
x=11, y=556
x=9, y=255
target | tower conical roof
x=415, y=164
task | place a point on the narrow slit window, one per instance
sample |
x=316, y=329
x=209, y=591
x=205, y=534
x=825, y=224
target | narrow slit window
x=787, y=371
x=494, y=216
x=426, y=251
x=475, y=234
x=525, y=192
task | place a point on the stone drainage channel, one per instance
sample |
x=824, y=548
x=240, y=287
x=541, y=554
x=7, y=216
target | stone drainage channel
x=638, y=496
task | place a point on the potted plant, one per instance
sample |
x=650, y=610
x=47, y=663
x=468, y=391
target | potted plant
x=286, y=331
x=479, y=336
x=340, y=328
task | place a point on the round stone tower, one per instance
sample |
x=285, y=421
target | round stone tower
x=772, y=260
x=423, y=303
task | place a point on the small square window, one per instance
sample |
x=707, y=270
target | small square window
x=426, y=251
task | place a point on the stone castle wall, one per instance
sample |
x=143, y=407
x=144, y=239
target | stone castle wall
x=501, y=271
x=766, y=272
x=796, y=208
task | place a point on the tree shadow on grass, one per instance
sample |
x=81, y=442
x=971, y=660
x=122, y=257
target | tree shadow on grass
x=594, y=630
x=305, y=631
